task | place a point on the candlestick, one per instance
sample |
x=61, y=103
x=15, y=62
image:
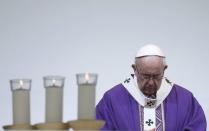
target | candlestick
x=21, y=100
x=54, y=98
x=86, y=95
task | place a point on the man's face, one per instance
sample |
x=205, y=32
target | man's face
x=149, y=71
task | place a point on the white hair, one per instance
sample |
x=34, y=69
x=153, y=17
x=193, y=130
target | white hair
x=163, y=59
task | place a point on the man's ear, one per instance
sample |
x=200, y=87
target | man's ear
x=166, y=66
x=134, y=67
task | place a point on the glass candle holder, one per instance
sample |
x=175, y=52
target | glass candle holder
x=86, y=95
x=54, y=98
x=21, y=100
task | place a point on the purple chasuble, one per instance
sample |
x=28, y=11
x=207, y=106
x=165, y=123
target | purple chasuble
x=120, y=111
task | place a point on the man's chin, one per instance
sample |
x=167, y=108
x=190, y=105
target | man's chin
x=151, y=95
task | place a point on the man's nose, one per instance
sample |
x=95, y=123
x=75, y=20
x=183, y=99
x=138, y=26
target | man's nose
x=151, y=81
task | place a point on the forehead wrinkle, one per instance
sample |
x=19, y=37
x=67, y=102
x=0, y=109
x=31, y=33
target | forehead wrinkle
x=150, y=64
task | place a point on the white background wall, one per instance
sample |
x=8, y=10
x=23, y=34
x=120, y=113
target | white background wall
x=65, y=37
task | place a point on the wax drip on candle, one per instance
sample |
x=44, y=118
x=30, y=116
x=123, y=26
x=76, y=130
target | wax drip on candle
x=87, y=78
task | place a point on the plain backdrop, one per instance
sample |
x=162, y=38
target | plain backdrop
x=65, y=37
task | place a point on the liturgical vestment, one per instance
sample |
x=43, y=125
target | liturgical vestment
x=121, y=106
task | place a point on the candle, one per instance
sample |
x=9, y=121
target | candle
x=54, y=98
x=86, y=95
x=21, y=100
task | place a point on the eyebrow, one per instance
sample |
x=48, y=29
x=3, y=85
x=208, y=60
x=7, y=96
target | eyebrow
x=148, y=74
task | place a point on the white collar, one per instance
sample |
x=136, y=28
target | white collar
x=132, y=86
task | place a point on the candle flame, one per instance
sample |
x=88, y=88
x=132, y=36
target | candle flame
x=53, y=81
x=87, y=77
x=21, y=83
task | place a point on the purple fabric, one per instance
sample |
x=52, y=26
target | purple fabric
x=159, y=119
x=121, y=112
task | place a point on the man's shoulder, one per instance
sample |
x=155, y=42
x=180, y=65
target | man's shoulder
x=117, y=96
x=116, y=91
x=180, y=93
x=119, y=88
x=181, y=90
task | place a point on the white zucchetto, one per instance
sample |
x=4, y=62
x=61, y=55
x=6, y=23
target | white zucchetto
x=149, y=50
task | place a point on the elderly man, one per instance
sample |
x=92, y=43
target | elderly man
x=147, y=101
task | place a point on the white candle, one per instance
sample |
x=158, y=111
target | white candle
x=21, y=102
x=54, y=104
x=86, y=99
x=54, y=98
x=86, y=102
x=21, y=107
